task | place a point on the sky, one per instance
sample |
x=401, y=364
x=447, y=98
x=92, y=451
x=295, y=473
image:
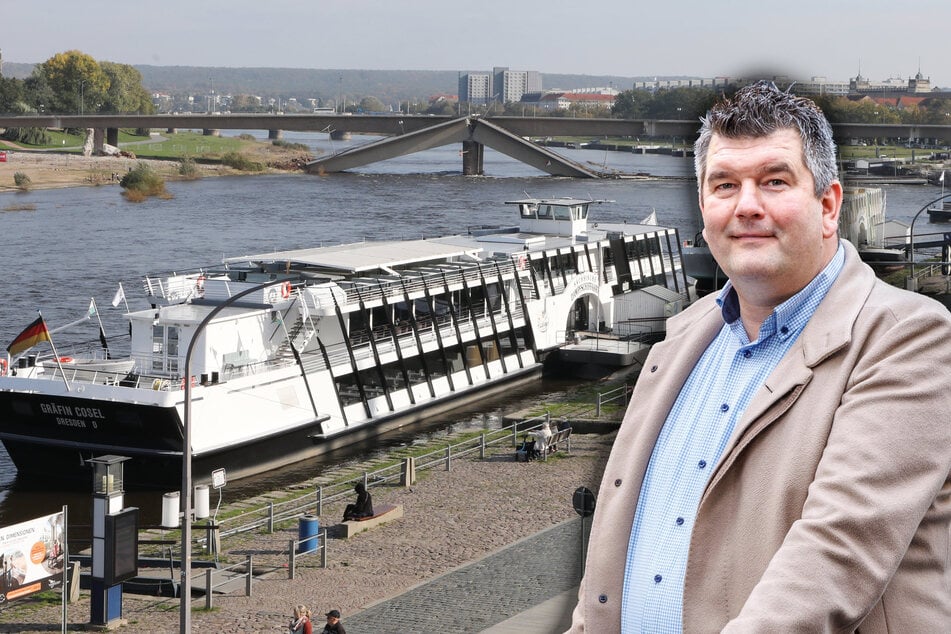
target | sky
x=835, y=39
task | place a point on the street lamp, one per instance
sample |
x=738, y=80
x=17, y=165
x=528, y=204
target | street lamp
x=82, y=96
x=911, y=238
x=185, y=590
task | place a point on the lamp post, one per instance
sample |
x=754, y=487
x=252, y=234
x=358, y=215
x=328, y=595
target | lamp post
x=912, y=284
x=82, y=96
x=185, y=623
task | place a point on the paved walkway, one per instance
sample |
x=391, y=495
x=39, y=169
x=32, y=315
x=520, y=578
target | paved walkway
x=527, y=587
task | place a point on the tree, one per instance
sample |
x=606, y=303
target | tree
x=76, y=80
x=11, y=96
x=371, y=104
x=125, y=92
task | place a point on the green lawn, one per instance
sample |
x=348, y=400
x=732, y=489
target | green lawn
x=167, y=146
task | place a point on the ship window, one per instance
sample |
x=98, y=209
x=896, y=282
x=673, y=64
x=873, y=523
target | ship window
x=562, y=213
x=544, y=211
x=528, y=211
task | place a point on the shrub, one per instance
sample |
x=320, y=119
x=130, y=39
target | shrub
x=141, y=182
x=22, y=181
x=187, y=168
x=240, y=162
x=244, y=136
x=281, y=143
x=29, y=136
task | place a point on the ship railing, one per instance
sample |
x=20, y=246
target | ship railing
x=434, y=277
x=313, y=499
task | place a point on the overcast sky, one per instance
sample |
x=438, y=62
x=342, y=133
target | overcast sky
x=802, y=38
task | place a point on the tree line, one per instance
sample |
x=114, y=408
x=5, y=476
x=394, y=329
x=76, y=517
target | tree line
x=75, y=83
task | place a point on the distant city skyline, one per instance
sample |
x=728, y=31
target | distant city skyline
x=688, y=38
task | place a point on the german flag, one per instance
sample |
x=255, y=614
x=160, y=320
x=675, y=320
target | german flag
x=31, y=335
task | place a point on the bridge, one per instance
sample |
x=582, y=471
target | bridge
x=406, y=134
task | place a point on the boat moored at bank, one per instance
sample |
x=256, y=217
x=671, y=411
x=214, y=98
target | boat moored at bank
x=293, y=353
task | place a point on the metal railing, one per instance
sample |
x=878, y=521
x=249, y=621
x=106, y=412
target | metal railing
x=312, y=502
x=211, y=573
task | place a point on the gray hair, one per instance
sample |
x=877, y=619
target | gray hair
x=758, y=110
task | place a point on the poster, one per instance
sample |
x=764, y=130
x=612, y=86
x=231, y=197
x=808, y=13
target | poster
x=32, y=556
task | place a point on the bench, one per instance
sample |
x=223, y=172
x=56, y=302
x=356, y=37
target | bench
x=528, y=448
x=560, y=437
x=382, y=513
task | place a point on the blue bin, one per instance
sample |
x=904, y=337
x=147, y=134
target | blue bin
x=308, y=529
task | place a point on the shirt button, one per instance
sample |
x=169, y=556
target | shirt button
x=653, y=368
x=617, y=482
x=702, y=464
x=747, y=354
x=725, y=408
x=680, y=521
x=602, y=598
x=658, y=578
x=784, y=330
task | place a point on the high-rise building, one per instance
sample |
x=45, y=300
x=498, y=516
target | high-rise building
x=502, y=85
x=475, y=88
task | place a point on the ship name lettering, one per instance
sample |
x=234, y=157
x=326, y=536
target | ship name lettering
x=53, y=408
x=70, y=422
x=89, y=412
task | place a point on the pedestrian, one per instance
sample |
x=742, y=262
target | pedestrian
x=334, y=626
x=784, y=463
x=300, y=622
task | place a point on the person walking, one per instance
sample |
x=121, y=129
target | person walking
x=300, y=623
x=333, y=626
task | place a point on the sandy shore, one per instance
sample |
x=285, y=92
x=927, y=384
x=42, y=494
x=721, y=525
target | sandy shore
x=451, y=518
x=49, y=170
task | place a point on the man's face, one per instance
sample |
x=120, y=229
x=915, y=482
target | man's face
x=764, y=225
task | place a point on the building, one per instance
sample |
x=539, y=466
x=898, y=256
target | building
x=502, y=85
x=475, y=88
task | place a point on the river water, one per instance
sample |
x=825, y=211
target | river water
x=81, y=243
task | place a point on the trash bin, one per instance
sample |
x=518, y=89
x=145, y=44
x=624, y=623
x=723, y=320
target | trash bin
x=308, y=528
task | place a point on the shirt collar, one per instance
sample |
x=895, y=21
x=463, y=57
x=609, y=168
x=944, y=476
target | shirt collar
x=792, y=314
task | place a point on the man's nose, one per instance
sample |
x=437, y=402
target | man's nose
x=749, y=201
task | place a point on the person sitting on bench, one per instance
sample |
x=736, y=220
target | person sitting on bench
x=363, y=507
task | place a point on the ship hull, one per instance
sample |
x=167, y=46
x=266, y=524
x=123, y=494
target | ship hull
x=73, y=430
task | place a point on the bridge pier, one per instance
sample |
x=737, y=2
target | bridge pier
x=112, y=136
x=472, y=158
x=210, y=132
x=171, y=131
x=274, y=135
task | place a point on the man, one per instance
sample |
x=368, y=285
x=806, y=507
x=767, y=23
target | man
x=334, y=626
x=784, y=463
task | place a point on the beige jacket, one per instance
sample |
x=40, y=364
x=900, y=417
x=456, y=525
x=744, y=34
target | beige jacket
x=830, y=510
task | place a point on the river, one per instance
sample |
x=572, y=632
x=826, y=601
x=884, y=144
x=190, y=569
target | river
x=80, y=243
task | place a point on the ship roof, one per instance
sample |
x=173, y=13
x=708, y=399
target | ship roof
x=365, y=256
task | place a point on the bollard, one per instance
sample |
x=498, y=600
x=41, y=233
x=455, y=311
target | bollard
x=270, y=517
x=448, y=457
x=515, y=434
x=209, y=589
x=482, y=446
x=292, y=558
x=597, y=407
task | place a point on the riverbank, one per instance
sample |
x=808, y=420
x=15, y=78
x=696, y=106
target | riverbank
x=451, y=518
x=49, y=170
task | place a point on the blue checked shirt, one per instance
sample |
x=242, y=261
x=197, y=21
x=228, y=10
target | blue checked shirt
x=691, y=442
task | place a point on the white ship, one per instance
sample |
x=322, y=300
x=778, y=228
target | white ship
x=296, y=352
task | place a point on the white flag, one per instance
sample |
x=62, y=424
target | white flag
x=92, y=307
x=941, y=178
x=120, y=295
